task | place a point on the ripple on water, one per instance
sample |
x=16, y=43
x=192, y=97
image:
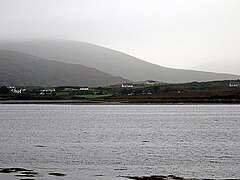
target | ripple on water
x=94, y=141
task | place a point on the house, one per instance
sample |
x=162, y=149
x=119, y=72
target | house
x=84, y=88
x=234, y=83
x=45, y=91
x=42, y=93
x=48, y=90
x=11, y=87
x=150, y=82
x=17, y=90
x=127, y=85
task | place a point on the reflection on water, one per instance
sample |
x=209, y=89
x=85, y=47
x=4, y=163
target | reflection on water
x=105, y=142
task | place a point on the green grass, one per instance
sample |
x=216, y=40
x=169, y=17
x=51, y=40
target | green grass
x=62, y=93
x=94, y=96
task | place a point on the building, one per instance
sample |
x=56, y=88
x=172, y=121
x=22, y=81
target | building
x=127, y=85
x=150, y=82
x=84, y=88
x=234, y=83
x=45, y=91
x=17, y=90
x=48, y=90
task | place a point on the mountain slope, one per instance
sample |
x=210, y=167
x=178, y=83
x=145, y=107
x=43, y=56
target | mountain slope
x=110, y=61
x=23, y=69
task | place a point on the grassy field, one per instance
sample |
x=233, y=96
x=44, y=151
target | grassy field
x=194, y=92
x=94, y=96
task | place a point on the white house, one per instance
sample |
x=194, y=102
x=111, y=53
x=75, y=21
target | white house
x=45, y=91
x=48, y=90
x=234, y=83
x=127, y=85
x=84, y=88
x=150, y=82
x=18, y=91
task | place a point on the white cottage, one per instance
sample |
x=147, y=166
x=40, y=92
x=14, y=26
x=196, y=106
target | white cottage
x=127, y=85
x=150, y=82
x=84, y=88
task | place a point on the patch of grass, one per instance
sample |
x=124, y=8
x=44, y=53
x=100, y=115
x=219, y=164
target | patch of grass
x=62, y=93
x=94, y=96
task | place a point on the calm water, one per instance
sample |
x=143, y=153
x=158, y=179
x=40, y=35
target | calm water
x=86, y=141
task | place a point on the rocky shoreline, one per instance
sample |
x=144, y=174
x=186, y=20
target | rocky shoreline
x=31, y=174
x=159, y=177
x=27, y=173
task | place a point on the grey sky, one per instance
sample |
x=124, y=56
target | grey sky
x=200, y=34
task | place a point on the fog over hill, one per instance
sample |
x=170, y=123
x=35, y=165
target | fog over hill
x=22, y=69
x=109, y=61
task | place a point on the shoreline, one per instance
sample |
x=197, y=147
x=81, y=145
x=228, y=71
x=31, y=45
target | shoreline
x=84, y=102
x=32, y=173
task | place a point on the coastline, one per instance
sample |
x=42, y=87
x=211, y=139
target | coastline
x=90, y=102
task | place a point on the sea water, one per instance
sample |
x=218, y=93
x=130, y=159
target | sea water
x=106, y=142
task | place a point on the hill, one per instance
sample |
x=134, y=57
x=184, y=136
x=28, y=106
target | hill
x=110, y=61
x=26, y=70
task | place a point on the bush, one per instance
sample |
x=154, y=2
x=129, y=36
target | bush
x=4, y=90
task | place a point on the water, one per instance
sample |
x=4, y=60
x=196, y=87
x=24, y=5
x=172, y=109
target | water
x=97, y=142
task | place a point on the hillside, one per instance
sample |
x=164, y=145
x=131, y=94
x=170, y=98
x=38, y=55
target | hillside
x=23, y=69
x=110, y=61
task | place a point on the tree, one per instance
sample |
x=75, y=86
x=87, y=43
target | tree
x=4, y=90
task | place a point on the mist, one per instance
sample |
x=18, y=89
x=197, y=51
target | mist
x=200, y=34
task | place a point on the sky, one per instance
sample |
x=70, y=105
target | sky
x=192, y=34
